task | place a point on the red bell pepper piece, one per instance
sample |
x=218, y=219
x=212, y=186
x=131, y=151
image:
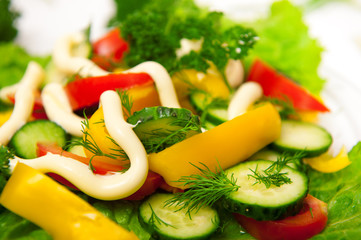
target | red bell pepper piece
x=109, y=50
x=86, y=92
x=275, y=85
x=38, y=109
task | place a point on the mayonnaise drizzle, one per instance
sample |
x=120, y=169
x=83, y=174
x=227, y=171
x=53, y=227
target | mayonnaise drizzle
x=24, y=101
x=243, y=98
x=105, y=187
x=58, y=109
x=162, y=80
x=69, y=64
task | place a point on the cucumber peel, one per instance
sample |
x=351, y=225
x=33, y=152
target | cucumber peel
x=161, y=127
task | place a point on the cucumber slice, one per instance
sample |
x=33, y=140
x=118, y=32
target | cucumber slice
x=201, y=101
x=25, y=139
x=299, y=136
x=268, y=154
x=161, y=127
x=257, y=201
x=168, y=223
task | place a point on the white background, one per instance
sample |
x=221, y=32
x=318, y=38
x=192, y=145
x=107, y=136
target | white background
x=337, y=25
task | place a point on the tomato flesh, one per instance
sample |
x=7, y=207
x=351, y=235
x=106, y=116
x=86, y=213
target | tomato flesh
x=276, y=85
x=311, y=220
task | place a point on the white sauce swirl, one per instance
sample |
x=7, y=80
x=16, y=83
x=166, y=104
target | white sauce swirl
x=58, y=109
x=69, y=64
x=24, y=101
x=243, y=98
x=105, y=187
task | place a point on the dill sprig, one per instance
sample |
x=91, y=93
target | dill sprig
x=285, y=107
x=88, y=142
x=208, y=103
x=272, y=176
x=205, y=189
x=127, y=102
x=155, y=221
x=159, y=139
x=5, y=156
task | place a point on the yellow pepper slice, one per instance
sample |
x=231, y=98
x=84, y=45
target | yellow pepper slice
x=327, y=163
x=38, y=198
x=4, y=116
x=224, y=145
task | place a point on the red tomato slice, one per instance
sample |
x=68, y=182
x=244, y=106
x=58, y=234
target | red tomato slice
x=86, y=92
x=109, y=50
x=276, y=85
x=311, y=220
x=101, y=166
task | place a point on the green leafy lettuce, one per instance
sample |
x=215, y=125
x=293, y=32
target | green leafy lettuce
x=13, y=65
x=342, y=192
x=285, y=43
x=7, y=18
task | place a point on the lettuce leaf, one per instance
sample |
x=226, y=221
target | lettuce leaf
x=342, y=192
x=13, y=65
x=284, y=42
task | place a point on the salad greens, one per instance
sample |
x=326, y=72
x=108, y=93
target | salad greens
x=155, y=31
x=283, y=42
x=13, y=66
x=286, y=45
x=7, y=19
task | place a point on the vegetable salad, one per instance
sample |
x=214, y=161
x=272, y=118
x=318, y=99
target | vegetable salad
x=176, y=124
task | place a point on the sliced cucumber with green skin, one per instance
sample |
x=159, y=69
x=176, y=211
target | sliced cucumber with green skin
x=161, y=127
x=166, y=222
x=26, y=138
x=268, y=154
x=216, y=115
x=257, y=201
x=298, y=136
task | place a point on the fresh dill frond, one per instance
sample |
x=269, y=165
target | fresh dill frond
x=159, y=139
x=155, y=221
x=88, y=142
x=127, y=102
x=5, y=156
x=208, y=103
x=272, y=176
x=285, y=107
x=205, y=189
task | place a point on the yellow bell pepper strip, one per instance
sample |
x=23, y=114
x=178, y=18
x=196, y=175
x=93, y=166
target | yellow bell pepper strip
x=224, y=145
x=327, y=163
x=38, y=198
x=4, y=116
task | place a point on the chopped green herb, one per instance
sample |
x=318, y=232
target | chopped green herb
x=206, y=188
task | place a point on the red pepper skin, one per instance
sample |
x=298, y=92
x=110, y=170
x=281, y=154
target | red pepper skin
x=276, y=85
x=86, y=92
x=109, y=50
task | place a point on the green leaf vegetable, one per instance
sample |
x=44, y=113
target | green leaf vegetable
x=285, y=43
x=154, y=33
x=342, y=192
x=7, y=21
x=13, y=66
